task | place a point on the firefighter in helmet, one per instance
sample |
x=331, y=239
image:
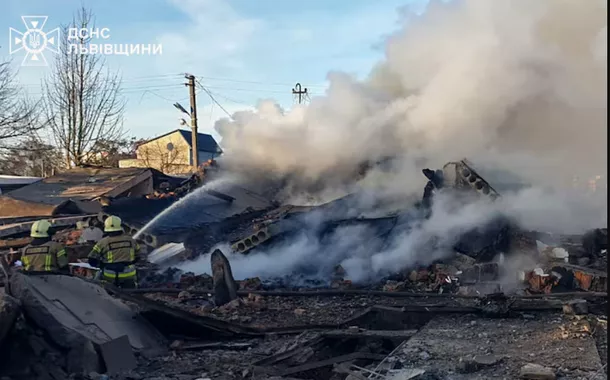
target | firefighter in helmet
x=43, y=254
x=115, y=254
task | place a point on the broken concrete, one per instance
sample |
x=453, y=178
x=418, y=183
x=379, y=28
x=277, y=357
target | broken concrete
x=355, y=325
x=75, y=314
x=532, y=371
x=225, y=288
x=445, y=342
x=9, y=310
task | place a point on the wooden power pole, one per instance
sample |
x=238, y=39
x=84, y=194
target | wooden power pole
x=194, y=146
x=301, y=93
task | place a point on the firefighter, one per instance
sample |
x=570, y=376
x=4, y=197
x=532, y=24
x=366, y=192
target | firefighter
x=115, y=254
x=43, y=254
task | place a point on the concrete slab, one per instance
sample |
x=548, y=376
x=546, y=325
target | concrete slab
x=118, y=356
x=72, y=311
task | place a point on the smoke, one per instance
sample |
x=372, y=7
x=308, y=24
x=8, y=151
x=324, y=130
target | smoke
x=516, y=83
x=368, y=254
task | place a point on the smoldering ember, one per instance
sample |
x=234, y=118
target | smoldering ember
x=443, y=219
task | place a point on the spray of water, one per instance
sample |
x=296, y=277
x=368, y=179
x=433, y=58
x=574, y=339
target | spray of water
x=183, y=203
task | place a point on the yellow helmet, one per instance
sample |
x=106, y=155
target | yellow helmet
x=40, y=229
x=112, y=224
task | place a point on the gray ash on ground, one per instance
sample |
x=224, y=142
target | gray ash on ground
x=442, y=340
x=212, y=364
x=153, y=277
x=467, y=347
x=599, y=324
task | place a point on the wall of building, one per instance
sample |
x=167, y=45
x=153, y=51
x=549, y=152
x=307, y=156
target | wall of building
x=131, y=163
x=156, y=155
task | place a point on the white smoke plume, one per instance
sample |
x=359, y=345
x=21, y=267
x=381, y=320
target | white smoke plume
x=511, y=84
x=517, y=83
x=366, y=256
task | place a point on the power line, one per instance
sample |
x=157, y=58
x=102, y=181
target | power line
x=171, y=87
x=145, y=78
x=175, y=76
x=152, y=86
x=250, y=90
x=211, y=111
x=253, y=82
x=159, y=96
x=156, y=89
x=233, y=100
x=132, y=90
x=247, y=89
x=214, y=100
x=135, y=84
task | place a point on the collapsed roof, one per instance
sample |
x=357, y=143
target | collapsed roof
x=78, y=185
x=204, y=207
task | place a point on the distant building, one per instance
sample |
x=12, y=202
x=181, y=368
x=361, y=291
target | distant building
x=171, y=152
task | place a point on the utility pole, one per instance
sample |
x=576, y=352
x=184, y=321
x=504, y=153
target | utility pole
x=194, y=146
x=297, y=91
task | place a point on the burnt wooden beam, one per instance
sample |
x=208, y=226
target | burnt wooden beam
x=368, y=334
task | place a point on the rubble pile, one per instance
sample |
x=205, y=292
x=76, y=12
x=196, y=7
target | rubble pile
x=469, y=315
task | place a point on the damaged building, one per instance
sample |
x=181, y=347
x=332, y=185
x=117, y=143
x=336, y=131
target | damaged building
x=447, y=317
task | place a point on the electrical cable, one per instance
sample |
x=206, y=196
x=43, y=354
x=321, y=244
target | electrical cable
x=213, y=99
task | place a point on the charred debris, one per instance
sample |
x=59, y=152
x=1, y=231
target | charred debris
x=467, y=316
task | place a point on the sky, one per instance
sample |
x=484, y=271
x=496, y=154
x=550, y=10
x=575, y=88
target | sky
x=243, y=51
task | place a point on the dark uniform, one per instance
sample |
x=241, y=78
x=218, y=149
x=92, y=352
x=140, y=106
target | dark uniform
x=48, y=256
x=116, y=256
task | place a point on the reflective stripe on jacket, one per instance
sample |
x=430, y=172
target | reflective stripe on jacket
x=116, y=254
x=128, y=272
x=46, y=257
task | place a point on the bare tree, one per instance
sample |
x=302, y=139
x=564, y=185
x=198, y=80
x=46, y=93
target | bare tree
x=31, y=157
x=18, y=116
x=81, y=96
x=158, y=156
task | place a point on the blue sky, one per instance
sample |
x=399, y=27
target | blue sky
x=242, y=50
